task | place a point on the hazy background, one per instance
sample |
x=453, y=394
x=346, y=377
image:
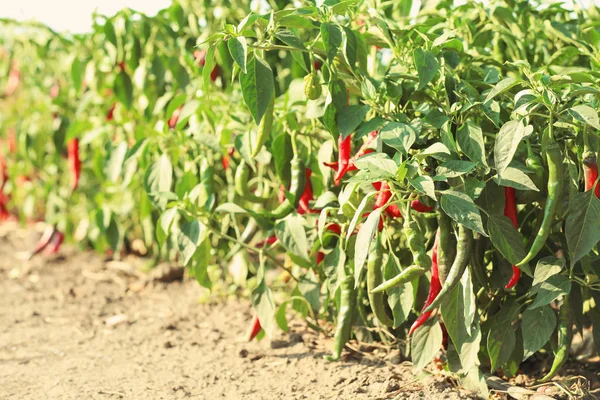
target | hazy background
x=76, y=15
x=73, y=15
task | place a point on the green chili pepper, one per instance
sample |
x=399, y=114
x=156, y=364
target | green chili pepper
x=463, y=255
x=477, y=261
x=264, y=128
x=407, y=275
x=555, y=188
x=374, y=279
x=298, y=181
x=416, y=244
x=446, y=246
x=565, y=336
x=345, y=317
x=242, y=177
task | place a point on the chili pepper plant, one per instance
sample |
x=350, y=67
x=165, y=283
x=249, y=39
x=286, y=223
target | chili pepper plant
x=415, y=172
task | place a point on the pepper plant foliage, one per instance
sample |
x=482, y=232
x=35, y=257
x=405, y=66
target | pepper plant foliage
x=415, y=174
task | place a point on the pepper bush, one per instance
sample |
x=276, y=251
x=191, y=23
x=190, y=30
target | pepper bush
x=424, y=176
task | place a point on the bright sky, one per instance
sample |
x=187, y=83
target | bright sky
x=73, y=15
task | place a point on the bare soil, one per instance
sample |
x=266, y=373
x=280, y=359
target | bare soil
x=73, y=326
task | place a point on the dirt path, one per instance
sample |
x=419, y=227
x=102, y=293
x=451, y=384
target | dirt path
x=72, y=327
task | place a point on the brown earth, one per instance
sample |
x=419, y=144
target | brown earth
x=75, y=327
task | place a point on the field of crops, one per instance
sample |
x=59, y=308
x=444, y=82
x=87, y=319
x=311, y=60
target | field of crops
x=380, y=180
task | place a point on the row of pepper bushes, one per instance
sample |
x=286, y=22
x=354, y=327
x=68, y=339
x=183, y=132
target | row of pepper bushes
x=423, y=177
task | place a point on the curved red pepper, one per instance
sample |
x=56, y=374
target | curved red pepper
x=55, y=243
x=510, y=211
x=175, y=117
x=255, y=328
x=344, y=149
x=434, y=288
x=268, y=241
x=307, y=195
x=110, y=115
x=74, y=162
x=590, y=173
x=420, y=207
x=320, y=257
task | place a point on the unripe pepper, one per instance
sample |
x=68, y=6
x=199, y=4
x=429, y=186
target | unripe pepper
x=374, y=279
x=345, y=317
x=312, y=87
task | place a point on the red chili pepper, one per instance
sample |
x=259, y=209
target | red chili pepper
x=174, y=117
x=268, y=241
x=307, y=196
x=55, y=243
x=226, y=157
x=121, y=65
x=420, y=207
x=44, y=241
x=334, y=228
x=590, y=173
x=434, y=287
x=255, y=328
x=317, y=65
x=320, y=257
x=345, y=148
x=12, y=140
x=14, y=77
x=510, y=211
x=74, y=162
x=364, y=150
x=110, y=115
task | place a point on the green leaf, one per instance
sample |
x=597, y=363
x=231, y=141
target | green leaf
x=124, y=89
x=163, y=228
x=424, y=184
x=209, y=64
x=507, y=141
x=288, y=37
x=238, y=50
x=501, y=87
x=189, y=237
x=515, y=178
x=550, y=290
x=506, y=238
x=458, y=313
x=332, y=39
x=291, y=234
x=474, y=380
x=470, y=140
x=501, y=338
x=538, y=325
x=159, y=177
x=462, y=209
x=363, y=241
x=257, y=87
x=582, y=228
x=114, y=166
x=547, y=267
x=309, y=287
x=262, y=300
x=200, y=262
x=426, y=343
x=454, y=168
x=350, y=117
x=585, y=114
x=427, y=66
x=350, y=46
x=399, y=136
